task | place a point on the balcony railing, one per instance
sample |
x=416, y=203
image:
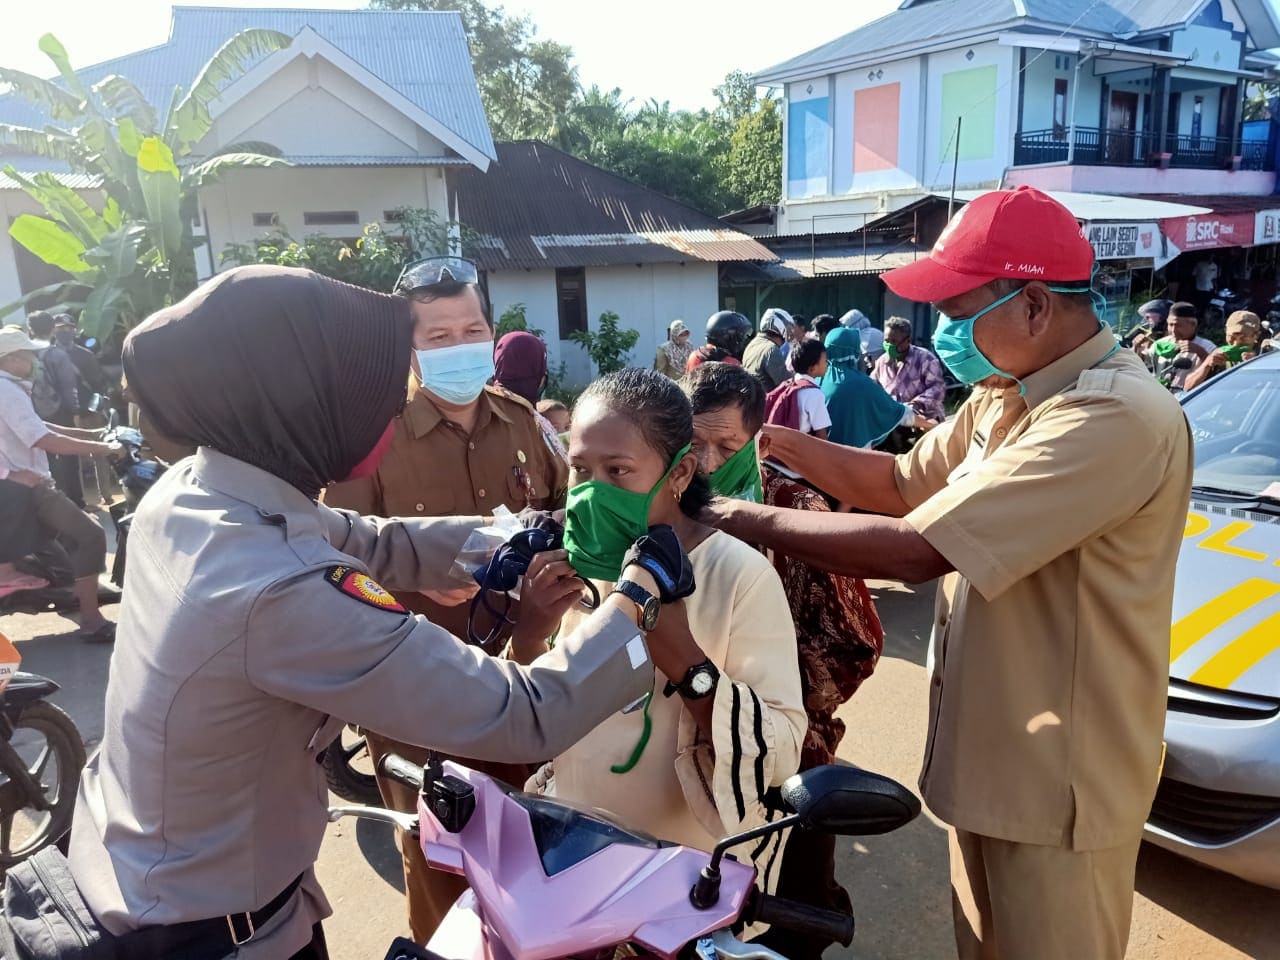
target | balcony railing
x=1123, y=148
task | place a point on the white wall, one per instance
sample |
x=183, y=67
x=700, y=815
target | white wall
x=645, y=298
x=905, y=73
x=311, y=107
x=978, y=172
x=228, y=206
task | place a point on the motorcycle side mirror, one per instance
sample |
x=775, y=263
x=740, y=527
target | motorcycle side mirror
x=95, y=402
x=849, y=801
x=113, y=420
x=90, y=342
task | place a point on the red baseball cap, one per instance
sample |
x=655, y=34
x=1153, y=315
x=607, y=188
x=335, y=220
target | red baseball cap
x=1020, y=234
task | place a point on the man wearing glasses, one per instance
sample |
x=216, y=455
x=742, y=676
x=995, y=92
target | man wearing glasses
x=1050, y=647
x=460, y=447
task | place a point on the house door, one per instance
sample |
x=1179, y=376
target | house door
x=1122, y=123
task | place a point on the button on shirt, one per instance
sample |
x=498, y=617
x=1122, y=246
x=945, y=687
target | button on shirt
x=1051, y=644
x=20, y=428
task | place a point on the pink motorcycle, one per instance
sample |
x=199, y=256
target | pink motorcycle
x=550, y=879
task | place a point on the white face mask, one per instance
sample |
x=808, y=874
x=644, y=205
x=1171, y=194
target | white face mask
x=457, y=374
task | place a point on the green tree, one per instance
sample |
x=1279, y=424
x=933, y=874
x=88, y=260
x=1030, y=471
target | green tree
x=137, y=253
x=608, y=346
x=527, y=84
x=752, y=169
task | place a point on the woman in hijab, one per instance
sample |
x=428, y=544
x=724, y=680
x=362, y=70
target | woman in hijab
x=862, y=412
x=520, y=364
x=672, y=356
x=252, y=626
x=870, y=339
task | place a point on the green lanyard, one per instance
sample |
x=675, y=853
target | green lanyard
x=638, y=751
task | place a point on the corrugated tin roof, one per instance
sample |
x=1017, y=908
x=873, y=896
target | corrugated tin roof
x=538, y=207
x=422, y=55
x=919, y=23
x=828, y=261
x=76, y=181
x=1104, y=206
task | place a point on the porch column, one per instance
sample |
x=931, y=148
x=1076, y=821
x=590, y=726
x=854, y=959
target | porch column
x=1160, y=106
x=1237, y=119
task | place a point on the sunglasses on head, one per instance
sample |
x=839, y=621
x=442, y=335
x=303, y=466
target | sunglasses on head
x=433, y=271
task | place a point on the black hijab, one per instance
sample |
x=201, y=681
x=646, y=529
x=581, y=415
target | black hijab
x=292, y=372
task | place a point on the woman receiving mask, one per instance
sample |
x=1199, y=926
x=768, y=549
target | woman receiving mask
x=725, y=719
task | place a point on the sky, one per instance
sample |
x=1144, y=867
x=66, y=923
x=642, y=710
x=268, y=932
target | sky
x=674, y=50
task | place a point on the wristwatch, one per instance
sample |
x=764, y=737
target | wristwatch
x=646, y=603
x=700, y=681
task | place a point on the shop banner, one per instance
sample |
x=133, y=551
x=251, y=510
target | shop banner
x=1209, y=231
x=1124, y=241
x=1266, y=227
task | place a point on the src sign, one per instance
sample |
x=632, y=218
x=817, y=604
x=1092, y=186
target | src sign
x=1123, y=241
x=1209, y=231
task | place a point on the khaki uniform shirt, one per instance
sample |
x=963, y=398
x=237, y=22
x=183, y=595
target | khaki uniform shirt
x=434, y=469
x=248, y=633
x=1062, y=513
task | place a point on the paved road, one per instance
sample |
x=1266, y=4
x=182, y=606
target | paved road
x=898, y=882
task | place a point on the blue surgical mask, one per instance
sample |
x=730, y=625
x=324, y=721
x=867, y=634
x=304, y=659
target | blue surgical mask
x=954, y=344
x=457, y=374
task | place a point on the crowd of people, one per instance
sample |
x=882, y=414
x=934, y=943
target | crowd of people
x=1170, y=343
x=726, y=507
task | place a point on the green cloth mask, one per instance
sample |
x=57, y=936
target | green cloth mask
x=739, y=477
x=892, y=352
x=601, y=521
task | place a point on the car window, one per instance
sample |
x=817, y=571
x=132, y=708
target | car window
x=1235, y=423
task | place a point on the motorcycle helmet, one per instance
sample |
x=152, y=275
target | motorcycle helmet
x=729, y=331
x=776, y=321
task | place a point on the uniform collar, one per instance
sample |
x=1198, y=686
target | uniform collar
x=1066, y=370
x=422, y=415
x=274, y=498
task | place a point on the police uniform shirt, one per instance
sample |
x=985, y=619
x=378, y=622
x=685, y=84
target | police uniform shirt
x=1062, y=512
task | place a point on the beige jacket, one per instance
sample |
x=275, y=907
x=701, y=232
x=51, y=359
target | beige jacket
x=241, y=651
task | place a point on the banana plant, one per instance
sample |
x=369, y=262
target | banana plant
x=110, y=131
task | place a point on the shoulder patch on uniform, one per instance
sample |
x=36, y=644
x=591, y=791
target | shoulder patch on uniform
x=1097, y=381
x=499, y=390
x=362, y=587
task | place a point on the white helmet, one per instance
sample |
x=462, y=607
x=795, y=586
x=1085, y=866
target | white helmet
x=776, y=320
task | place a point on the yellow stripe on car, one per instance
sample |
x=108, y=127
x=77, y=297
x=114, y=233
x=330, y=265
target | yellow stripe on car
x=1235, y=659
x=1196, y=625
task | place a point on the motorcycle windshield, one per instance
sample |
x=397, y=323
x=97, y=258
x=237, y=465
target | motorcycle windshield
x=565, y=834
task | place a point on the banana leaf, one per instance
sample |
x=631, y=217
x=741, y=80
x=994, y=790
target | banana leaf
x=124, y=100
x=63, y=205
x=206, y=173
x=162, y=193
x=51, y=242
x=47, y=95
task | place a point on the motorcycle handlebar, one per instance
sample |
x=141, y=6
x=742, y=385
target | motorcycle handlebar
x=401, y=770
x=803, y=918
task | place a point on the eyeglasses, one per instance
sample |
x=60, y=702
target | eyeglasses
x=433, y=271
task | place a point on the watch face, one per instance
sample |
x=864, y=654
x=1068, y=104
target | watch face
x=700, y=683
x=650, y=614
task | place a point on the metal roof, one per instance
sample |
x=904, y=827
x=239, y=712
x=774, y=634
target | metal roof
x=421, y=55
x=1103, y=206
x=320, y=160
x=537, y=207
x=919, y=24
x=847, y=260
x=76, y=181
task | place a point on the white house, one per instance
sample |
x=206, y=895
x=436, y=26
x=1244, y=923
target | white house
x=371, y=108
x=570, y=241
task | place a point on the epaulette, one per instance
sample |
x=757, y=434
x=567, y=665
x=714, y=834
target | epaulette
x=500, y=391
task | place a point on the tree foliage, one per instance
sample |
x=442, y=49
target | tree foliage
x=608, y=346
x=715, y=160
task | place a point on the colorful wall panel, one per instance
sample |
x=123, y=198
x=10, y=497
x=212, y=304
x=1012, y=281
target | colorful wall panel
x=875, y=128
x=971, y=94
x=808, y=145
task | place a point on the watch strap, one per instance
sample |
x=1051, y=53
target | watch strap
x=637, y=595
x=685, y=688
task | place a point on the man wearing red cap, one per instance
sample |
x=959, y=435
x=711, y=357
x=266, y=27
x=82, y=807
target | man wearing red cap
x=1054, y=502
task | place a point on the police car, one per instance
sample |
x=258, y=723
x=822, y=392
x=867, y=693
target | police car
x=1218, y=801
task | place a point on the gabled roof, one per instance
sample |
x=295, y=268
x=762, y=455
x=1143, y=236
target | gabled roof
x=918, y=24
x=538, y=208
x=421, y=55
